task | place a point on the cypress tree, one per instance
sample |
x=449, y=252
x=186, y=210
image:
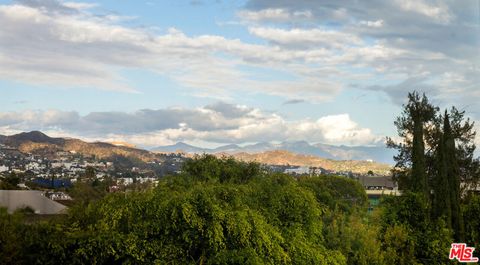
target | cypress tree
x=441, y=206
x=453, y=172
x=413, y=162
x=418, y=178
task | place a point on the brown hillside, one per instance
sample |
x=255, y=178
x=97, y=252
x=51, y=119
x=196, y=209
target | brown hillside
x=39, y=143
x=281, y=157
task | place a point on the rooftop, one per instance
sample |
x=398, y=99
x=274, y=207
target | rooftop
x=17, y=199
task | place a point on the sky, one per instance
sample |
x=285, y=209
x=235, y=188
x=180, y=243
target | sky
x=217, y=72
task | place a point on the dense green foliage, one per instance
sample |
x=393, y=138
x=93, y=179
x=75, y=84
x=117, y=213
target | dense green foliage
x=471, y=213
x=9, y=182
x=409, y=234
x=219, y=211
x=222, y=211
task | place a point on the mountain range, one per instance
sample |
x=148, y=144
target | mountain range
x=36, y=142
x=337, y=158
x=342, y=152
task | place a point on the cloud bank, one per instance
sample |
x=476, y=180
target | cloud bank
x=323, y=49
x=217, y=123
x=430, y=46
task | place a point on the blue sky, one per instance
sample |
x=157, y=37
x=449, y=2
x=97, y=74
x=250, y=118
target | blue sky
x=216, y=72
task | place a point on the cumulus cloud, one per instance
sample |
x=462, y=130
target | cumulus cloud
x=317, y=38
x=273, y=14
x=67, y=45
x=216, y=123
x=48, y=43
x=375, y=24
x=434, y=43
x=438, y=12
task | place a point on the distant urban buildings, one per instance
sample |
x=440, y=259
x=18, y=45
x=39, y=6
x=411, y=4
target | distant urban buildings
x=62, y=168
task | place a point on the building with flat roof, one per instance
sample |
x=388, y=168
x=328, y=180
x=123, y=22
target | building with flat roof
x=376, y=187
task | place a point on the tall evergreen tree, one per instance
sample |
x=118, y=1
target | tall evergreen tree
x=411, y=169
x=441, y=206
x=453, y=172
x=418, y=178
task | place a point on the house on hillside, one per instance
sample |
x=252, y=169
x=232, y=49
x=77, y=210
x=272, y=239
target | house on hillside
x=376, y=182
x=57, y=196
x=3, y=168
x=297, y=171
x=377, y=186
x=305, y=170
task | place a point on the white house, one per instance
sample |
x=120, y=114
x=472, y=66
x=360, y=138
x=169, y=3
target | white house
x=298, y=170
x=3, y=168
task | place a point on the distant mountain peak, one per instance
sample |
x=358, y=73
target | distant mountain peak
x=226, y=148
x=36, y=142
x=180, y=147
x=182, y=144
x=33, y=136
x=230, y=145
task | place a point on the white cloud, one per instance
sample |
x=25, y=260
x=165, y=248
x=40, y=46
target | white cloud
x=273, y=14
x=435, y=42
x=266, y=14
x=79, y=49
x=438, y=12
x=307, y=37
x=218, y=123
x=323, y=48
x=43, y=48
x=79, y=6
x=374, y=24
x=340, y=129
